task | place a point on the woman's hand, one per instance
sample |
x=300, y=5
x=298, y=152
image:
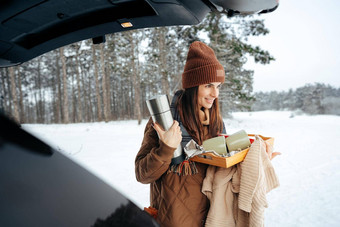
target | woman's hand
x=269, y=150
x=172, y=137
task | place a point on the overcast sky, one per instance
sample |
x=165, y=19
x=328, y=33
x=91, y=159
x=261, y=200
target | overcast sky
x=305, y=40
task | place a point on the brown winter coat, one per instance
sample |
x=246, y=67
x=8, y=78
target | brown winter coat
x=178, y=199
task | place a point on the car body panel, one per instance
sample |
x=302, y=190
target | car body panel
x=30, y=28
x=40, y=186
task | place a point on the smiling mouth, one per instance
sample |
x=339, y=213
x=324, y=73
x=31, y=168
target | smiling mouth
x=210, y=100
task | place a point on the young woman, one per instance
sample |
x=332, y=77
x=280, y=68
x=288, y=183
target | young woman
x=175, y=191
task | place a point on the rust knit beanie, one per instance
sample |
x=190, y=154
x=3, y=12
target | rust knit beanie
x=201, y=67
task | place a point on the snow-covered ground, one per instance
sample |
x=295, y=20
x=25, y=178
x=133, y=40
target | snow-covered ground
x=308, y=169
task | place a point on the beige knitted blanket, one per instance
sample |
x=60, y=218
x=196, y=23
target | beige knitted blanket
x=238, y=194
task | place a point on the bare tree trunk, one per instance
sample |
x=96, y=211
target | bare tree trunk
x=37, y=114
x=135, y=80
x=109, y=92
x=130, y=102
x=54, y=99
x=79, y=96
x=120, y=105
x=15, y=113
x=58, y=96
x=163, y=63
x=65, y=97
x=114, y=97
x=74, y=108
x=28, y=109
x=90, y=103
x=99, y=109
x=40, y=103
x=21, y=101
x=32, y=108
x=106, y=102
x=111, y=86
x=87, y=115
x=178, y=72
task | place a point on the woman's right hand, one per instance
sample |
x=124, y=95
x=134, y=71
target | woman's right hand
x=172, y=137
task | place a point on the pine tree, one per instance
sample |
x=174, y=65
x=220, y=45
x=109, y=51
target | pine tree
x=228, y=39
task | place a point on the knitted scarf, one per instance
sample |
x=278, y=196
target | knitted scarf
x=187, y=167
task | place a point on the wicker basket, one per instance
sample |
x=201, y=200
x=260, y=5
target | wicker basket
x=226, y=162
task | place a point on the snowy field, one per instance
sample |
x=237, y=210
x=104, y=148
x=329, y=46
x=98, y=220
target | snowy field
x=308, y=169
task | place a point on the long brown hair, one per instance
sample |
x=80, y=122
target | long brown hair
x=187, y=106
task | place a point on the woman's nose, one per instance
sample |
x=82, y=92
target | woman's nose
x=215, y=92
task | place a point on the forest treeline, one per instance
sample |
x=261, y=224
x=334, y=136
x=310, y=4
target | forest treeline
x=83, y=82
x=315, y=98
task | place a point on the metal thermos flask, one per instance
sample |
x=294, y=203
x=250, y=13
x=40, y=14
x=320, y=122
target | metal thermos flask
x=160, y=112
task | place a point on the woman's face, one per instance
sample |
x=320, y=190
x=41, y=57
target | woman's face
x=207, y=93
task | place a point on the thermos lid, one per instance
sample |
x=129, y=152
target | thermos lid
x=158, y=104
